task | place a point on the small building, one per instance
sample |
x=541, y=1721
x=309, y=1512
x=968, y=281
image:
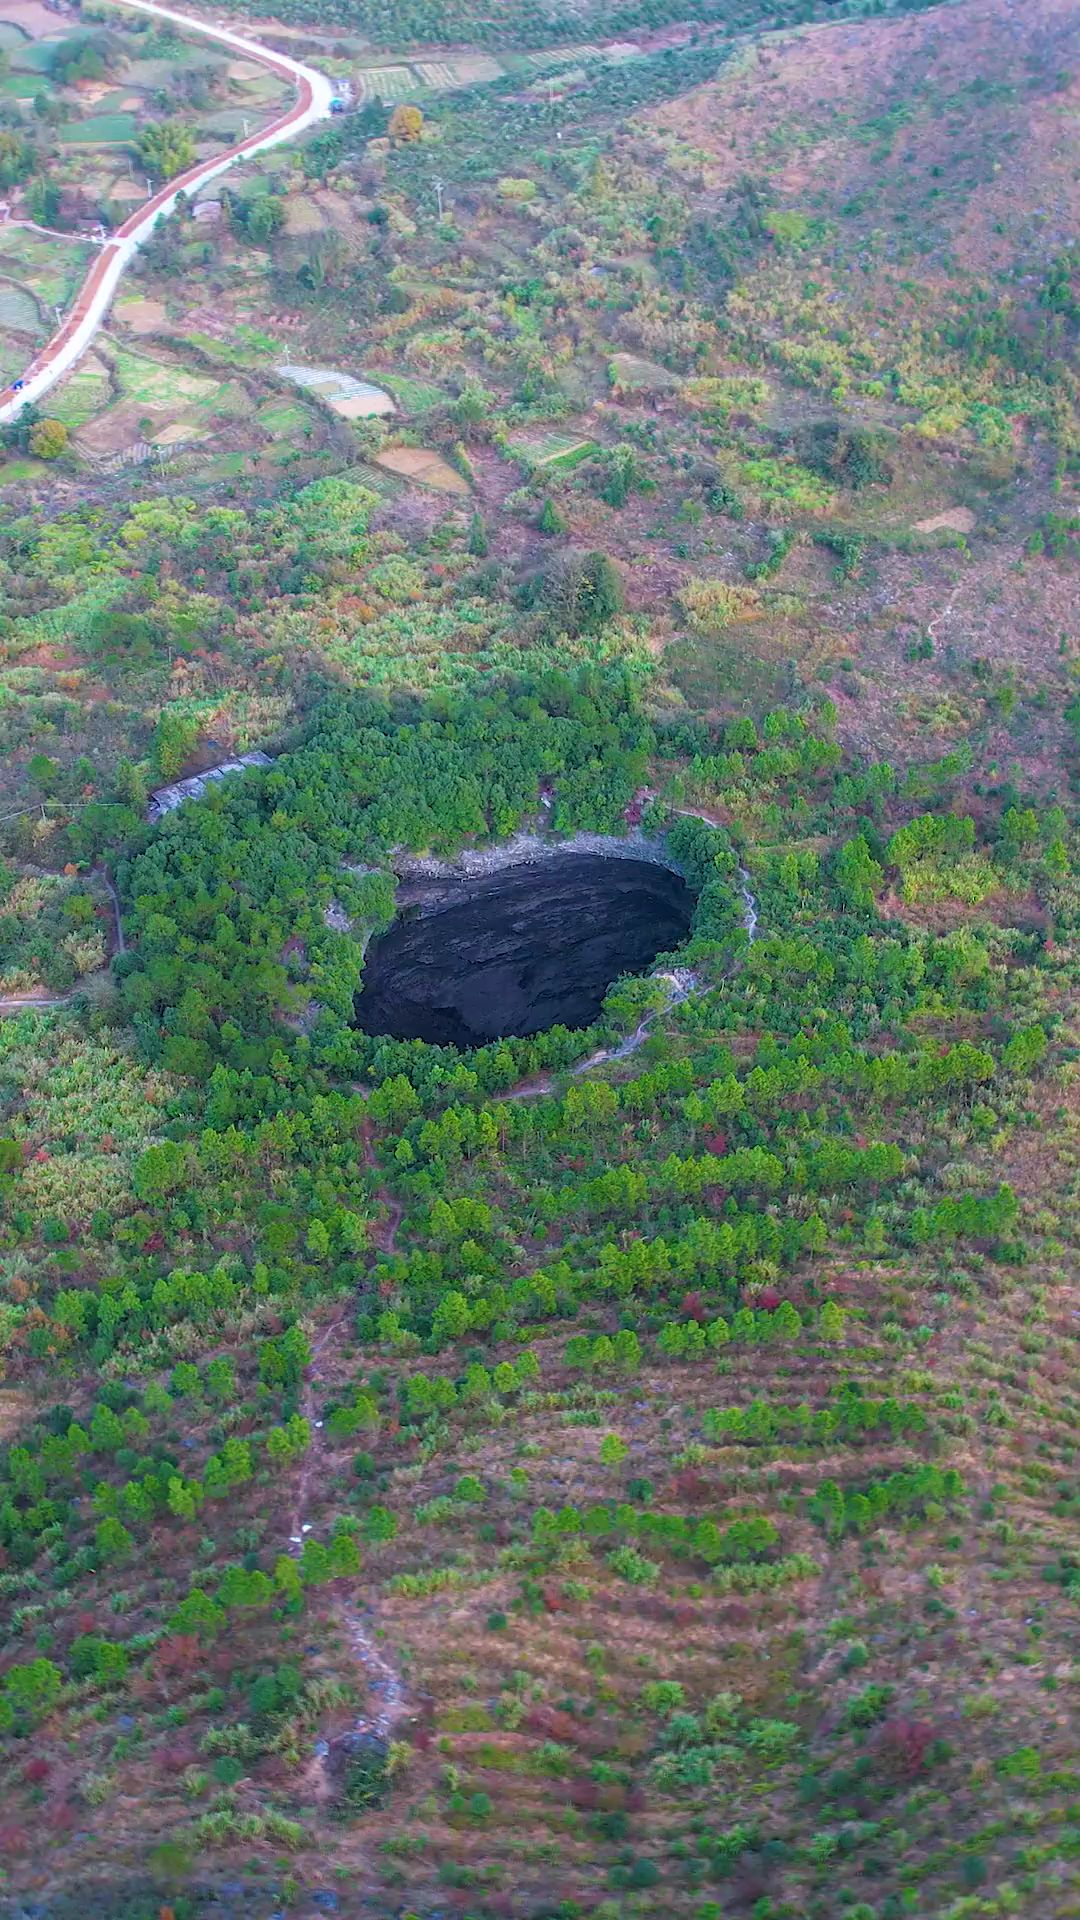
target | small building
x=77, y=209
x=166, y=799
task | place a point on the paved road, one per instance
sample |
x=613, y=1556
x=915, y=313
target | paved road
x=314, y=93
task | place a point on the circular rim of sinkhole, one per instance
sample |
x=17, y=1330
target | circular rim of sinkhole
x=474, y=959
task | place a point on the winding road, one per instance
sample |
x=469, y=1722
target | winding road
x=314, y=94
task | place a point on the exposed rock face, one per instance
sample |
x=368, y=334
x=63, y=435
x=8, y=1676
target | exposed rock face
x=520, y=951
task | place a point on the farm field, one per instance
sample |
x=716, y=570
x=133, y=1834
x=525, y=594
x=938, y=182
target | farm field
x=88, y=93
x=624, y=1470
x=49, y=269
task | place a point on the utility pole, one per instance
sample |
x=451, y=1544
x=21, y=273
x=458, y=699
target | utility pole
x=439, y=186
x=149, y=191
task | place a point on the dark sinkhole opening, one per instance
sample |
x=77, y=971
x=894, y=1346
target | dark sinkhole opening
x=526, y=948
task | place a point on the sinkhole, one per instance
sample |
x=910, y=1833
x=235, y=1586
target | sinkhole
x=528, y=947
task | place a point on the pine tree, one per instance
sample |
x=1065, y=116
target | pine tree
x=831, y=1321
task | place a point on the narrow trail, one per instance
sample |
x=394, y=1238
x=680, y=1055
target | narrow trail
x=383, y=1679
x=45, y=1002
x=384, y=1682
x=121, y=943
x=34, y=1002
x=50, y=233
x=681, y=986
x=385, y=1233
x=750, y=906
x=683, y=983
x=388, y=1229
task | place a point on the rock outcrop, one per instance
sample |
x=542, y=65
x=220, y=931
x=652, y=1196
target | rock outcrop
x=525, y=949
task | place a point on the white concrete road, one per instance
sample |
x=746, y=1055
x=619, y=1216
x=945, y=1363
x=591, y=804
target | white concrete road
x=314, y=94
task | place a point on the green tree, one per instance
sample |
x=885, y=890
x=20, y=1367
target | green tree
x=584, y=591
x=184, y=1497
x=221, y=1379
x=473, y=407
x=287, y=1578
x=174, y=742
x=48, y=438
x=42, y=771
x=17, y=157
x=831, y=1322
x=452, y=1318
x=160, y=1170
x=198, y=1614
x=1024, y=1051
x=243, y=1587
x=266, y=217
x=167, y=148
x=283, y=1359
x=30, y=1690
x=378, y=1525
x=113, y=1540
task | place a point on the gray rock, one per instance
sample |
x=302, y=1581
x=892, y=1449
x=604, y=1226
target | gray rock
x=519, y=950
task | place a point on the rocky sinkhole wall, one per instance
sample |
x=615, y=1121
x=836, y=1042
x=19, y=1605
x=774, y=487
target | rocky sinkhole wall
x=520, y=950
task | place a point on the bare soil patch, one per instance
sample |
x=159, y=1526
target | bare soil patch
x=804, y=91
x=303, y=216
x=176, y=433
x=126, y=190
x=987, y=610
x=953, y=520
x=36, y=20
x=423, y=465
x=358, y=406
x=15, y=1408
x=111, y=432
x=632, y=374
x=143, y=316
x=92, y=92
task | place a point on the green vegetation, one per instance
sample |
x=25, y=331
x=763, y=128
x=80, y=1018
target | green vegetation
x=613, y=1472
x=167, y=148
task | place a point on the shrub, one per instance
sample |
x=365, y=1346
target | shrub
x=662, y=1696
x=365, y=1780
x=48, y=438
x=865, y=1709
x=712, y=605
x=633, y=1566
x=406, y=123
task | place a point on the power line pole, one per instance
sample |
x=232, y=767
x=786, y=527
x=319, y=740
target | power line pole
x=439, y=185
